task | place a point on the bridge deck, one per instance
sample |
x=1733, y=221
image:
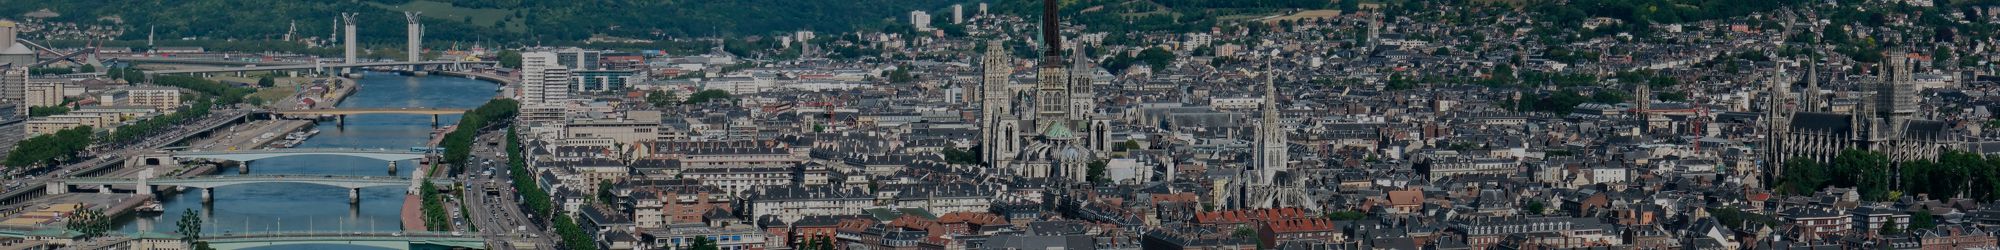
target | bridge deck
x=304, y=67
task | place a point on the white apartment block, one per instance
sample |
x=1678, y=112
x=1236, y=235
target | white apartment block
x=543, y=80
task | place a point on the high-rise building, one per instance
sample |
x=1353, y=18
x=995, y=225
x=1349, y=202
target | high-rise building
x=543, y=79
x=579, y=58
x=13, y=86
x=920, y=20
x=957, y=14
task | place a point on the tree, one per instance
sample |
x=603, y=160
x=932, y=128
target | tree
x=1889, y=228
x=1156, y=57
x=189, y=226
x=1533, y=207
x=86, y=68
x=819, y=243
x=47, y=111
x=510, y=59
x=1128, y=145
x=956, y=156
x=604, y=193
x=707, y=95
x=1607, y=97
x=1866, y=171
x=661, y=98
x=91, y=223
x=267, y=82
x=702, y=243
x=900, y=75
x=1922, y=220
x=1095, y=173
x=1802, y=176
x=1349, y=6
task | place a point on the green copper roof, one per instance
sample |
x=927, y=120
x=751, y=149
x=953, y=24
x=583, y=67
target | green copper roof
x=1058, y=130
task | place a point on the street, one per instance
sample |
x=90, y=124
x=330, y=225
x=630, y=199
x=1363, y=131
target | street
x=497, y=213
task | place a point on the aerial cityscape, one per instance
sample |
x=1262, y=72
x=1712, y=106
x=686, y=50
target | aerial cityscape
x=1000, y=124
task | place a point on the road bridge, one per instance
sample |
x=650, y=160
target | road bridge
x=340, y=114
x=237, y=62
x=324, y=67
x=246, y=240
x=391, y=240
x=207, y=184
x=246, y=156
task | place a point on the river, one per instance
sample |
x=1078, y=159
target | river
x=301, y=207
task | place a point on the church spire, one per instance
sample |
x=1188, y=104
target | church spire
x=1809, y=99
x=1270, y=136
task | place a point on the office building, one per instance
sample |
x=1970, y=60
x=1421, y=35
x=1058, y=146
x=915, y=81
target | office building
x=543, y=78
x=596, y=81
x=578, y=58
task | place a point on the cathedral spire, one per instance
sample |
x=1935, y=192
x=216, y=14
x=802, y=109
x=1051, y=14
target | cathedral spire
x=1051, y=33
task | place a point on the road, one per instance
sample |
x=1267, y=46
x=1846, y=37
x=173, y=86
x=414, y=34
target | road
x=498, y=212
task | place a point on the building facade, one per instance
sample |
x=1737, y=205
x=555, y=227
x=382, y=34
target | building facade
x=543, y=79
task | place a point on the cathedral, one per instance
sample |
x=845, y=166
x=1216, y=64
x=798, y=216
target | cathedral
x=1051, y=131
x=1884, y=120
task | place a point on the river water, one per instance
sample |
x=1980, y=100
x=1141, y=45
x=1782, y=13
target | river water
x=300, y=207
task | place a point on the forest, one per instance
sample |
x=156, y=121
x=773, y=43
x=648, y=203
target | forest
x=527, y=22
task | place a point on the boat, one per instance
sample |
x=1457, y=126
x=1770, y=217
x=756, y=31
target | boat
x=151, y=206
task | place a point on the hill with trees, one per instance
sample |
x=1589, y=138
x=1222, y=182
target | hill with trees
x=512, y=21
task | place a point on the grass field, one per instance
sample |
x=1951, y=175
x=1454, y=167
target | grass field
x=443, y=10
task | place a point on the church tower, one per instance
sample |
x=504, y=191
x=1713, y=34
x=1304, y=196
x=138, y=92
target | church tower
x=1897, y=92
x=1083, y=98
x=998, y=134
